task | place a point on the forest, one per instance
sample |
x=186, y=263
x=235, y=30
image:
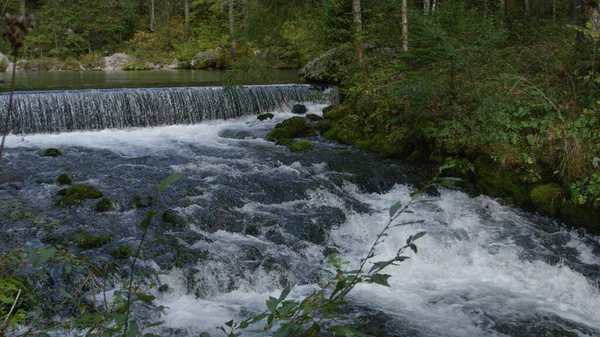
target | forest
x=501, y=95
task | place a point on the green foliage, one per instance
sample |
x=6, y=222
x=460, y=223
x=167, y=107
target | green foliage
x=587, y=190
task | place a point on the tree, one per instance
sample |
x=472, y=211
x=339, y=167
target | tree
x=404, y=26
x=187, y=16
x=358, y=30
x=152, y=17
x=232, y=30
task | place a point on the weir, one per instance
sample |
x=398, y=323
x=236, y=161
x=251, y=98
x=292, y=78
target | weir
x=63, y=111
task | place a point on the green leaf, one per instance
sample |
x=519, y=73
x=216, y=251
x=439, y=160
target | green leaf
x=205, y=334
x=133, y=330
x=381, y=279
x=46, y=254
x=343, y=331
x=284, y=294
x=395, y=208
x=418, y=236
x=414, y=248
x=272, y=304
x=531, y=139
x=169, y=180
x=65, y=294
x=377, y=266
x=445, y=167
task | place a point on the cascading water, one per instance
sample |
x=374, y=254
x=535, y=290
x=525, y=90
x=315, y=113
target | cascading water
x=63, y=111
x=255, y=217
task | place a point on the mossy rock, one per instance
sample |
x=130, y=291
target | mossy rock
x=581, y=216
x=338, y=111
x=64, y=179
x=299, y=109
x=331, y=134
x=364, y=144
x=252, y=230
x=91, y=241
x=106, y=205
x=344, y=152
x=382, y=145
x=313, y=117
x=172, y=218
x=547, y=198
x=301, y=145
x=416, y=155
x=325, y=125
x=265, y=116
x=500, y=183
x=122, y=252
x=348, y=136
x=77, y=194
x=315, y=233
x=142, y=201
x=284, y=142
x=52, y=152
x=294, y=127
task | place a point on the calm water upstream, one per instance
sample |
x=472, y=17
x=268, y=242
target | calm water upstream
x=254, y=217
x=74, y=80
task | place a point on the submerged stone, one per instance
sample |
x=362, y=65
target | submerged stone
x=64, y=179
x=265, y=116
x=106, y=205
x=171, y=217
x=52, y=152
x=77, y=194
x=142, y=201
x=91, y=241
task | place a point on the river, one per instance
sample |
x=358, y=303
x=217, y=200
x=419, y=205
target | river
x=256, y=218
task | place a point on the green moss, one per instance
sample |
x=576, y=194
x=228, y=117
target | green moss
x=363, y=144
x=547, y=198
x=416, y=155
x=64, y=179
x=52, y=152
x=265, y=116
x=337, y=111
x=252, y=230
x=344, y=152
x=313, y=117
x=91, y=241
x=581, y=216
x=325, y=125
x=76, y=194
x=105, y=205
x=500, y=183
x=383, y=145
x=122, y=252
x=294, y=127
x=284, y=142
x=331, y=134
x=142, y=202
x=302, y=145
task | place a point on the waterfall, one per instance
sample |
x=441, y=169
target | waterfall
x=63, y=111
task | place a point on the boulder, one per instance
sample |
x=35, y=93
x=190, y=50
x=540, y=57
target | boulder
x=299, y=109
x=291, y=128
x=52, y=152
x=116, y=61
x=205, y=59
x=77, y=194
x=301, y=145
x=64, y=179
x=265, y=116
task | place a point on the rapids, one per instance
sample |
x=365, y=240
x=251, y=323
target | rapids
x=259, y=217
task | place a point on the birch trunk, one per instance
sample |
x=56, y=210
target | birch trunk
x=358, y=35
x=187, y=16
x=404, y=25
x=152, y=19
x=232, y=31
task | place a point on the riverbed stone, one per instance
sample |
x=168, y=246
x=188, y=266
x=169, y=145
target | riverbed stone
x=64, y=179
x=77, y=194
x=301, y=145
x=52, y=152
x=299, y=109
x=294, y=127
x=91, y=241
x=265, y=116
x=106, y=205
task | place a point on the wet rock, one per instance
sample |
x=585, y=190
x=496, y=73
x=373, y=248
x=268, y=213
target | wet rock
x=294, y=127
x=299, y=109
x=64, y=179
x=547, y=198
x=313, y=117
x=284, y=142
x=77, y=194
x=142, y=201
x=116, y=61
x=275, y=236
x=252, y=253
x=252, y=230
x=52, y=152
x=236, y=134
x=172, y=218
x=302, y=145
x=106, y=205
x=91, y=241
x=265, y=116
x=122, y=252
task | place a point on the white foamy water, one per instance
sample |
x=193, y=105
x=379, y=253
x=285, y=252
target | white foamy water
x=483, y=269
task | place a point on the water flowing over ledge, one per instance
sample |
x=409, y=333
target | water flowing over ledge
x=63, y=111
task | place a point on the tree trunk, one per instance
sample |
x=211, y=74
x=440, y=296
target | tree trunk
x=554, y=10
x=232, y=31
x=358, y=35
x=528, y=8
x=187, y=16
x=426, y=7
x=152, y=20
x=22, y=6
x=404, y=25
